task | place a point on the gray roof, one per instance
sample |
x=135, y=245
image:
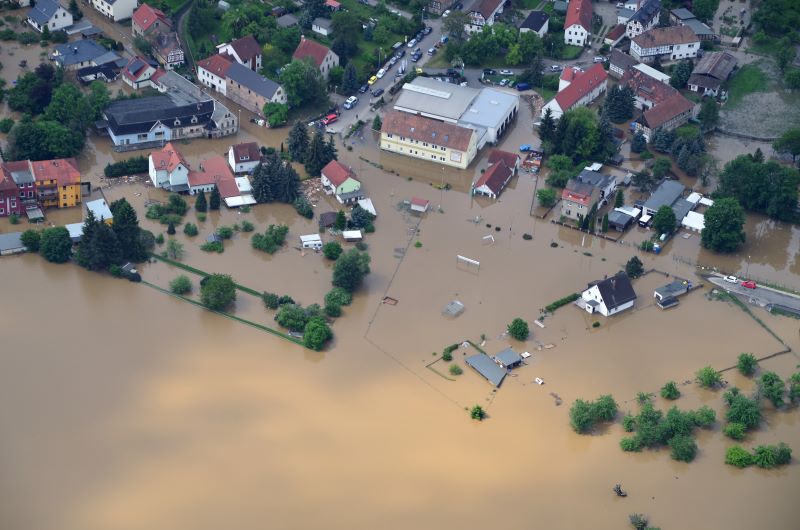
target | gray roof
x=648, y=10
x=622, y=60
x=616, y=291
x=673, y=288
x=487, y=368
x=435, y=99
x=621, y=219
x=23, y=176
x=665, y=194
x=248, y=78
x=82, y=50
x=698, y=27
x=625, y=13
x=100, y=209
x=11, y=241
x=322, y=22
x=535, y=20
x=680, y=208
x=595, y=179
x=140, y=114
x=682, y=13
x=508, y=357
x=716, y=64
x=287, y=21
x=43, y=11
x=489, y=108
x=559, y=6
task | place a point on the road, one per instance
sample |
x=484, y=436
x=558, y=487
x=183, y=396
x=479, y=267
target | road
x=762, y=296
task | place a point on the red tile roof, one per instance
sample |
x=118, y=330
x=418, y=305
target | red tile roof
x=657, y=37
x=62, y=170
x=136, y=68
x=246, y=48
x=309, y=48
x=580, y=86
x=337, y=173
x=487, y=7
x=428, y=130
x=673, y=106
x=646, y=87
x=228, y=188
x=495, y=178
x=246, y=152
x=168, y=158
x=615, y=32
x=332, y=4
x=145, y=16
x=216, y=64
x=579, y=12
x=577, y=192
x=213, y=170
x=416, y=201
x=570, y=73
x=498, y=155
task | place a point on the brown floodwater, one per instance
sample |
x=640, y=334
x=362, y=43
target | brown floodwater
x=124, y=408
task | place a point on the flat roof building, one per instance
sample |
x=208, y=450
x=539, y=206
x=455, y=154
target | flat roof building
x=482, y=364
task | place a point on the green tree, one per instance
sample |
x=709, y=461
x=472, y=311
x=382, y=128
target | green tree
x=55, y=245
x=292, y=316
x=200, y=203
x=338, y=296
x=341, y=221
x=794, y=387
x=585, y=414
x=270, y=300
x=683, y=448
x=377, y=123
x=738, y=456
x=705, y=9
x=276, y=114
x=350, y=269
x=768, y=188
x=171, y=228
x=518, y=329
x=670, y=391
x=31, y=239
x=724, y=222
x=680, y=74
x=316, y=157
x=180, y=285
x=708, y=377
x=664, y=220
x=784, y=54
x=454, y=25
x=742, y=409
x=747, y=364
x=214, y=201
x=789, y=142
x=661, y=167
x=638, y=142
x=547, y=127
x=619, y=199
x=126, y=228
x=190, y=229
x=477, y=413
x=735, y=431
x=175, y=249
x=302, y=83
x=634, y=267
x=709, y=115
x=143, y=45
x=298, y=142
x=547, y=197
x=332, y=250
x=773, y=388
x=217, y=291
x=350, y=79
x=316, y=333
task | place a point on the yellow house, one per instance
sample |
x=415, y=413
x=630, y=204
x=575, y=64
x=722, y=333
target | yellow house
x=428, y=139
x=58, y=182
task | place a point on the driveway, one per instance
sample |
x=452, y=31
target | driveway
x=761, y=296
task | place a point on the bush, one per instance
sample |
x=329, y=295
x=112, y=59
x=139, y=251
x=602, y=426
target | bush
x=55, y=245
x=292, y=317
x=201, y=217
x=547, y=197
x=332, y=250
x=738, y=456
x=13, y=219
x=170, y=219
x=585, y=414
x=563, y=301
x=630, y=444
x=190, y=229
x=447, y=356
x=213, y=246
x=316, y=333
x=708, y=377
x=303, y=207
x=160, y=239
x=455, y=369
x=133, y=165
x=217, y=291
x=670, y=391
x=773, y=388
x=742, y=409
x=765, y=456
x=333, y=310
x=270, y=300
x=629, y=422
x=477, y=413
x=180, y=285
x=225, y=232
x=31, y=239
x=6, y=124
x=115, y=271
x=747, y=364
x=704, y=417
x=285, y=299
x=735, y=431
x=518, y=329
x=683, y=448
x=634, y=268
x=338, y=296
x=247, y=226
x=271, y=240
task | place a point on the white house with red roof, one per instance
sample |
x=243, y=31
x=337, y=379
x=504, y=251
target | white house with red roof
x=213, y=171
x=483, y=13
x=581, y=90
x=245, y=51
x=244, y=157
x=146, y=19
x=502, y=168
x=321, y=56
x=115, y=10
x=340, y=180
x=578, y=24
x=138, y=73
x=168, y=169
x=213, y=72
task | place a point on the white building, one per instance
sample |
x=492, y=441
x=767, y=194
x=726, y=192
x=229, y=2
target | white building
x=49, y=13
x=483, y=14
x=579, y=89
x=645, y=18
x=578, y=24
x=322, y=26
x=245, y=51
x=213, y=72
x=243, y=158
x=116, y=10
x=168, y=169
x=610, y=296
x=670, y=44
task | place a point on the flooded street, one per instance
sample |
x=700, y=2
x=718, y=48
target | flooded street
x=124, y=408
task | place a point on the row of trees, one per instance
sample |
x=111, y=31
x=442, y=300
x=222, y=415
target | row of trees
x=579, y=135
x=313, y=152
x=102, y=246
x=688, y=148
x=275, y=180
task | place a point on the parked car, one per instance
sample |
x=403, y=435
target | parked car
x=446, y=14
x=523, y=86
x=411, y=43
x=731, y=279
x=381, y=73
x=393, y=61
x=598, y=59
x=506, y=72
x=556, y=68
x=489, y=71
x=377, y=92
x=427, y=30
x=443, y=39
x=372, y=80
x=363, y=88
x=431, y=51
x=330, y=118
x=749, y=284
x=351, y=102
x=419, y=36
x=620, y=5
x=400, y=54
x=503, y=82
x=525, y=148
x=416, y=57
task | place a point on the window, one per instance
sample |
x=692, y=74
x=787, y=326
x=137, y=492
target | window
x=2, y=211
x=30, y=194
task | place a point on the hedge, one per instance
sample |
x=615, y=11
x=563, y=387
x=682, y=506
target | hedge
x=136, y=164
x=562, y=302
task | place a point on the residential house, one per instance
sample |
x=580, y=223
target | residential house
x=213, y=72
x=115, y=10
x=671, y=44
x=624, y=15
x=669, y=193
x=647, y=91
x=49, y=13
x=483, y=13
x=137, y=73
x=244, y=158
x=11, y=243
x=251, y=90
x=82, y=53
x=10, y=195
x=584, y=191
x=287, y=21
x=502, y=168
x=428, y=139
x=168, y=169
x=213, y=172
x=580, y=90
x=537, y=22
x=320, y=56
x=338, y=179
x=322, y=26
x=167, y=50
x=711, y=71
x=620, y=63
x=42, y=183
x=645, y=18
x=245, y=51
x=148, y=19
x=615, y=35
x=101, y=211
x=507, y=359
x=237, y=192
x=609, y=296
x=658, y=75
x=578, y=24
x=674, y=112
x=21, y=175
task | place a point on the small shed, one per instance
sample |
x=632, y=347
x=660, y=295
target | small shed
x=672, y=290
x=34, y=214
x=75, y=231
x=419, y=205
x=11, y=243
x=508, y=359
x=327, y=219
x=619, y=221
x=351, y=236
x=482, y=364
x=311, y=241
x=694, y=221
x=100, y=210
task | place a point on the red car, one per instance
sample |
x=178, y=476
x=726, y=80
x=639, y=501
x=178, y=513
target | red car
x=749, y=284
x=330, y=118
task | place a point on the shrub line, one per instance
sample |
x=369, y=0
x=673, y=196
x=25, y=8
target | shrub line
x=204, y=274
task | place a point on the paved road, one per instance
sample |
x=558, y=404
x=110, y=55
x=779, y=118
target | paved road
x=762, y=296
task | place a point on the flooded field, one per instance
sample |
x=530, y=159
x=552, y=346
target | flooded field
x=124, y=408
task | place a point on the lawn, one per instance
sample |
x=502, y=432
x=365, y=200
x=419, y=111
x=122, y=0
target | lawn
x=750, y=78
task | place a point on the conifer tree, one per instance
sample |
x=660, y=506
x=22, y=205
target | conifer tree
x=547, y=127
x=214, y=201
x=316, y=158
x=298, y=142
x=200, y=203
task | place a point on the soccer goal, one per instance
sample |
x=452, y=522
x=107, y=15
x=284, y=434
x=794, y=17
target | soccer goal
x=469, y=264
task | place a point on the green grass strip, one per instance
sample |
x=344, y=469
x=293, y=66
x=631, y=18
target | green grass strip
x=193, y=270
x=228, y=315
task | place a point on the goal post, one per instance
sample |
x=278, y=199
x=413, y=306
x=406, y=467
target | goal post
x=468, y=263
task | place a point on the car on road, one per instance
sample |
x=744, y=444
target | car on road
x=598, y=59
x=489, y=71
x=419, y=36
x=411, y=43
x=330, y=118
x=749, y=284
x=372, y=80
x=525, y=148
x=377, y=92
x=416, y=57
x=506, y=72
x=503, y=82
x=363, y=88
x=620, y=4
x=393, y=61
x=446, y=14
x=427, y=30
x=556, y=68
x=523, y=86
x=731, y=279
x=351, y=102
x=400, y=54
x=381, y=73
x=431, y=51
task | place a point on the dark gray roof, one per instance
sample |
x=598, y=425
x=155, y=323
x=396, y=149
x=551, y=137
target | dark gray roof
x=287, y=21
x=680, y=208
x=248, y=78
x=665, y=194
x=646, y=13
x=616, y=290
x=673, y=288
x=43, y=11
x=322, y=22
x=508, y=357
x=622, y=60
x=593, y=178
x=560, y=6
x=535, y=20
x=718, y=65
x=139, y=115
x=82, y=50
x=682, y=13
x=620, y=219
x=704, y=81
x=23, y=176
x=11, y=241
x=698, y=27
x=487, y=368
x=579, y=187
